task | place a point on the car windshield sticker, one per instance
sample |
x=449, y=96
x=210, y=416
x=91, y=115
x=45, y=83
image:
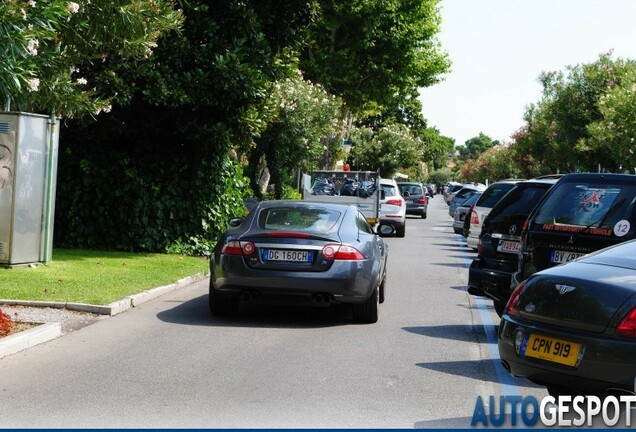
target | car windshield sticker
x=621, y=228
x=576, y=229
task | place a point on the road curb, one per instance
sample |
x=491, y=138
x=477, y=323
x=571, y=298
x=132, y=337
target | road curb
x=116, y=307
x=49, y=331
x=26, y=339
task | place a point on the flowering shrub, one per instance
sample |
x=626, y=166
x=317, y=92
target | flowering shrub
x=5, y=324
x=44, y=44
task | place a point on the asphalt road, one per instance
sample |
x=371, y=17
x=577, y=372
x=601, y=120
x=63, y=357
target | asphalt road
x=168, y=363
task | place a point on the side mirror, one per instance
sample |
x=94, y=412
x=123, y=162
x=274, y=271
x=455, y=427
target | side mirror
x=382, y=195
x=235, y=222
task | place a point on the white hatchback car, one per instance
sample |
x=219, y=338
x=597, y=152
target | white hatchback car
x=484, y=204
x=392, y=207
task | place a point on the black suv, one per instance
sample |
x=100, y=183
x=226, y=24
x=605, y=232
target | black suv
x=582, y=213
x=491, y=272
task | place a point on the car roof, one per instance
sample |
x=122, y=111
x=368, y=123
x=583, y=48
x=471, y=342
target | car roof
x=388, y=181
x=541, y=180
x=599, y=176
x=506, y=181
x=303, y=203
x=473, y=187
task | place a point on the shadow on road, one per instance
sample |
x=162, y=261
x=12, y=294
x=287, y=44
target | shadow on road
x=460, y=332
x=454, y=246
x=196, y=312
x=461, y=265
x=481, y=370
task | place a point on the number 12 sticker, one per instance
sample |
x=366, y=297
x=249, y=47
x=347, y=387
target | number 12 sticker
x=621, y=228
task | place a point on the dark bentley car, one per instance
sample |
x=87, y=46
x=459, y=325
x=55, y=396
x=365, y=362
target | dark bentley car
x=491, y=271
x=300, y=252
x=572, y=327
x=582, y=213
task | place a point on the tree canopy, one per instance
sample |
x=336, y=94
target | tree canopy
x=374, y=52
x=46, y=45
x=583, y=118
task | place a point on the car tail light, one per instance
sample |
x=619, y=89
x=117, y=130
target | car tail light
x=236, y=247
x=396, y=202
x=513, y=301
x=480, y=245
x=627, y=327
x=422, y=200
x=341, y=252
x=524, y=230
x=474, y=218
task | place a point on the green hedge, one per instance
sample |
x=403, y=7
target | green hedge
x=109, y=198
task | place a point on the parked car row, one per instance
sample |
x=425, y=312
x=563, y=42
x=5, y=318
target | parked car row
x=556, y=256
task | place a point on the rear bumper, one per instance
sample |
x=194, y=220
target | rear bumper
x=396, y=222
x=416, y=210
x=607, y=363
x=472, y=241
x=345, y=281
x=495, y=284
x=458, y=225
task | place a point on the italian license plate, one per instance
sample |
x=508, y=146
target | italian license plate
x=287, y=255
x=550, y=349
x=558, y=257
x=508, y=246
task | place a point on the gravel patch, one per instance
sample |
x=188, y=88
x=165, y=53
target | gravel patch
x=68, y=319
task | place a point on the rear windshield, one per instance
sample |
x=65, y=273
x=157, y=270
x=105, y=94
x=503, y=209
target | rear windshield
x=302, y=219
x=465, y=193
x=472, y=200
x=520, y=200
x=493, y=194
x=388, y=190
x=599, y=205
x=411, y=189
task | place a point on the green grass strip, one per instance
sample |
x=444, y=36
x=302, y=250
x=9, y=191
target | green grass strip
x=96, y=277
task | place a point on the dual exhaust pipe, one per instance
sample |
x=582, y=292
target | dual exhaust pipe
x=321, y=298
x=250, y=295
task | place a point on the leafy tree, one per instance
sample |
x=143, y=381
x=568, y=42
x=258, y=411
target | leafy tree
x=438, y=148
x=374, y=51
x=440, y=176
x=615, y=134
x=46, y=44
x=558, y=127
x=154, y=172
x=474, y=146
x=390, y=149
x=496, y=163
x=294, y=140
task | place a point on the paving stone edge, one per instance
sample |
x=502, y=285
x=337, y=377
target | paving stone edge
x=48, y=331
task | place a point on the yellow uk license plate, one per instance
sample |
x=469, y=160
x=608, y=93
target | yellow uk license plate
x=550, y=349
